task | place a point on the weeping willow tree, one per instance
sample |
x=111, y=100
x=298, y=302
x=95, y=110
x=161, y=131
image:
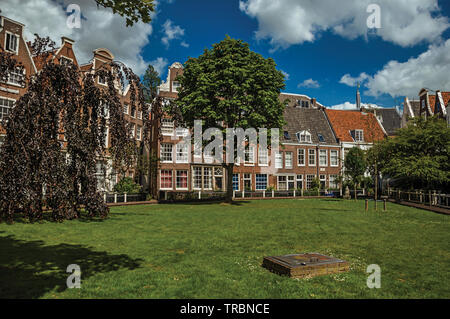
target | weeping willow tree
x=56, y=136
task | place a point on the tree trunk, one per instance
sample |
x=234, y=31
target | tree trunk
x=229, y=197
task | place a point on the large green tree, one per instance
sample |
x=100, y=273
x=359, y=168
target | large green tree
x=418, y=157
x=230, y=86
x=355, y=165
x=132, y=10
x=151, y=81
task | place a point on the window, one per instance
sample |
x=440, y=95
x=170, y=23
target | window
x=5, y=108
x=323, y=181
x=299, y=181
x=12, y=42
x=278, y=160
x=105, y=134
x=323, y=158
x=166, y=179
x=302, y=103
x=334, y=158
x=175, y=86
x=101, y=80
x=263, y=159
x=180, y=131
x=249, y=155
x=182, y=150
x=248, y=182
x=167, y=127
x=301, y=157
x=132, y=130
x=312, y=157
x=139, y=133
x=333, y=182
x=309, y=180
x=16, y=77
x=358, y=135
x=321, y=138
x=303, y=137
x=286, y=135
x=197, y=177
x=218, y=178
x=125, y=108
x=140, y=115
x=236, y=182
x=133, y=112
x=261, y=182
x=282, y=183
x=64, y=61
x=182, y=179
x=166, y=153
x=288, y=160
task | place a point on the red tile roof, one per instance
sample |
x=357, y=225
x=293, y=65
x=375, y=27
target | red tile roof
x=432, y=102
x=344, y=121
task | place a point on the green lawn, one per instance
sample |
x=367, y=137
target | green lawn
x=216, y=251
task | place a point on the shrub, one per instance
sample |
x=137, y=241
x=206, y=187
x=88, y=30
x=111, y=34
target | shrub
x=127, y=185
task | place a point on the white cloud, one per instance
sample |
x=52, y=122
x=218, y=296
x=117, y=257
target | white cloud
x=286, y=75
x=351, y=106
x=100, y=28
x=171, y=32
x=309, y=83
x=184, y=44
x=160, y=64
x=351, y=81
x=288, y=22
x=430, y=69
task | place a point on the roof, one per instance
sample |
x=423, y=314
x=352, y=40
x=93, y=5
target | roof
x=345, y=121
x=415, y=108
x=432, y=100
x=390, y=119
x=307, y=119
x=293, y=97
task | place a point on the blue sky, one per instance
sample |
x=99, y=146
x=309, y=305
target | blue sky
x=323, y=44
x=325, y=60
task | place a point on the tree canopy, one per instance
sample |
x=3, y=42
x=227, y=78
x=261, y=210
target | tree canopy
x=418, y=157
x=56, y=137
x=355, y=165
x=132, y=10
x=230, y=86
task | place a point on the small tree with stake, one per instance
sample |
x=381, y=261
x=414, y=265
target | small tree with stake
x=56, y=137
x=355, y=165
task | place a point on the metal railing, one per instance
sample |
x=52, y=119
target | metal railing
x=424, y=197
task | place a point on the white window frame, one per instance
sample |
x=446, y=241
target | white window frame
x=182, y=149
x=250, y=151
x=320, y=158
x=17, y=74
x=17, y=42
x=278, y=182
x=204, y=177
x=138, y=132
x=304, y=137
x=263, y=157
x=167, y=127
x=249, y=178
x=311, y=152
x=8, y=107
x=125, y=110
x=160, y=179
x=194, y=176
x=298, y=157
x=278, y=159
x=187, y=179
x=289, y=164
x=238, y=182
x=165, y=152
x=331, y=158
x=359, y=135
x=256, y=182
x=297, y=179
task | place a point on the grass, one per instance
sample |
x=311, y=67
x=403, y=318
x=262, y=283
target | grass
x=216, y=251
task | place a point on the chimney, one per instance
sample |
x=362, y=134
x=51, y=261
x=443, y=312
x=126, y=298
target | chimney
x=313, y=102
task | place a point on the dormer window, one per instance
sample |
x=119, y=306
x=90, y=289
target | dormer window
x=12, y=43
x=321, y=138
x=302, y=104
x=303, y=137
x=286, y=135
x=358, y=135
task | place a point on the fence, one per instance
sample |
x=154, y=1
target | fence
x=428, y=198
x=124, y=198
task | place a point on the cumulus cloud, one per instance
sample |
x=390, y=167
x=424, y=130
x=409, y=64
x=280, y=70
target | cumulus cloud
x=430, y=69
x=288, y=22
x=352, y=106
x=171, y=32
x=309, y=83
x=286, y=75
x=100, y=28
x=160, y=64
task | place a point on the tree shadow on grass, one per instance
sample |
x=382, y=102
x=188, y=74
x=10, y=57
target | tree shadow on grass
x=29, y=269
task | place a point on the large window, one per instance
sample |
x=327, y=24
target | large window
x=288, y=160
x=182, y=179
x=197, y=177
x=303, y=137
x=207, y=178
x=301, y=157
x=278, y=160
x=282, y=183
x=166, y=153
x=359, y=135
x=309, y=180
x=182, y=150
x=261, y=182
x=323, y=158
x=15, y=77
x=218, y=178
x=12, y=42
x=323, y=181
x=312, y=157
x=5, y=108
x=333, y=182
x=166, y=179
x=263, y=158
x=138, y=132
x=167, y=127
x=291, y=182
x=236, y=182
x=334, y=158
x=250, y=155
